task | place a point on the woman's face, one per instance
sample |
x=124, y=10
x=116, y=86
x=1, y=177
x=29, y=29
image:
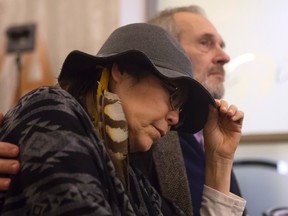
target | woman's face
x=146, y=106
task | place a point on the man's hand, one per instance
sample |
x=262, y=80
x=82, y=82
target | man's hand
x=8, y=165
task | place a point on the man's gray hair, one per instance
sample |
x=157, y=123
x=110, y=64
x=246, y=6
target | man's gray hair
x=165, y=18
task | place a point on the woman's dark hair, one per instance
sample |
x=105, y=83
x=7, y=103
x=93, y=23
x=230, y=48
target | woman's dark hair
x=86, y=82
x=134, y=67
x=79, y=86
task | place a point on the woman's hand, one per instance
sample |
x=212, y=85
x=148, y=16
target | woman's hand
x=222, y=134
x=222, y=131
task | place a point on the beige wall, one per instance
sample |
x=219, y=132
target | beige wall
x=62, y=26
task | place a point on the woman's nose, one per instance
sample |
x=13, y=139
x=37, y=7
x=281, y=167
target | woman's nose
x=173, y=117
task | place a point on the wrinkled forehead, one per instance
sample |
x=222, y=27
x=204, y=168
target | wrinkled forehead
x=196, y=25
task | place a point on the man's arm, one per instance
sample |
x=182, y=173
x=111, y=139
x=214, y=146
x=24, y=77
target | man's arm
x=8, y=165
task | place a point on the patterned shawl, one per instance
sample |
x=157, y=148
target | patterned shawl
x=65, y=167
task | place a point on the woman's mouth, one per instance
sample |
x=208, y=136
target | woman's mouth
x=161, y=132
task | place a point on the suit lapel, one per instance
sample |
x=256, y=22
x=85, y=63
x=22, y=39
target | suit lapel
x=171, y=173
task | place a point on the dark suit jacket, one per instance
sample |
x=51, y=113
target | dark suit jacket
x=176, y=167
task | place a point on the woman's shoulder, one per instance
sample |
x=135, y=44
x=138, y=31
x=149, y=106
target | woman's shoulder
x=48, y=106
x=46, y=99
x=48, y=94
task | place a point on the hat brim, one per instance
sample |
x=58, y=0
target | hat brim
x=195, y=110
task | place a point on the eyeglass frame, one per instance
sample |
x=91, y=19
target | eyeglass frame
x=173, y=90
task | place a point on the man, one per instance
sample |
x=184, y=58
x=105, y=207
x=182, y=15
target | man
x=205, y=48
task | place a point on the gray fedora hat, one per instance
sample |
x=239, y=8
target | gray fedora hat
x=157, y=49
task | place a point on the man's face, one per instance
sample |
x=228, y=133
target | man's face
x=204, y=46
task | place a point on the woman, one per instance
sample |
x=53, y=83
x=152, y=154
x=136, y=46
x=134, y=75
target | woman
x=75, y=138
